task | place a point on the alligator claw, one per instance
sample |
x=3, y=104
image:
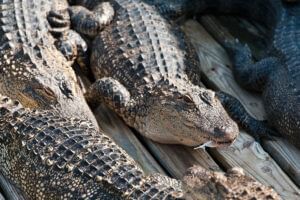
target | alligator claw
x=59, y=21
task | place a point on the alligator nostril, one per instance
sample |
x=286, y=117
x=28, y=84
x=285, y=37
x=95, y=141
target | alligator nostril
x=227, y=133
x=219, y=131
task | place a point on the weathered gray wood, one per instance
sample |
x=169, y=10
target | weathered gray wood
x=9, y=191
x=244, y=152
x=176, y=159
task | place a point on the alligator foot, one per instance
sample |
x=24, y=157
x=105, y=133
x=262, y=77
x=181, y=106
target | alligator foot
x=258, y=129
x=59, y=21
x=69, y=42
x=109, y=91
x=249, y=74
x=74, y=48
x=90, y=22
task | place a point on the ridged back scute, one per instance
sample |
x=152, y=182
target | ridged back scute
x=67, y=157
x=26, y=43
x=140, y=47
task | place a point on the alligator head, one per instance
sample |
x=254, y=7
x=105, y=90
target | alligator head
x=188, y=115
x=45, y=87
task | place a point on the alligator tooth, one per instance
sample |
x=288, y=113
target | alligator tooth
x=207, y=144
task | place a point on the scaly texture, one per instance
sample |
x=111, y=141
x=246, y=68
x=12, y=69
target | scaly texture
x=231, y=185
x=50, y=157
x=145, y=67
x=32, y=70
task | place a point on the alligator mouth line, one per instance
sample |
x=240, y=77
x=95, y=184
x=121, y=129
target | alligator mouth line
x=213, y=143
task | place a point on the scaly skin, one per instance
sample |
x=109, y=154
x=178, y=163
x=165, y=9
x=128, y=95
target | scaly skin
x=52, y=157
x=32, y=70
x=231, y=185
x=276, y=76
x=144, y=69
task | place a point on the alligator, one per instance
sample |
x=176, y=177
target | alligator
x=144, y=69
x=32, y=70
x=276, y=75
x=48, y=156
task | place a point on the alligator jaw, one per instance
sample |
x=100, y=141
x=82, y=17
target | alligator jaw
x=215, y=144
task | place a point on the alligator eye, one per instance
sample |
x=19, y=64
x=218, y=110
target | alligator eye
x=186, y=99
x=45, y=91
x=49, y=92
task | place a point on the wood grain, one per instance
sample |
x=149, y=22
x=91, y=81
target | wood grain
x=245, y=152
x=8, y=190
x=176, y=159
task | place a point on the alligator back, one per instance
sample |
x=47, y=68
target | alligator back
x=32, y=70
x=52, y=157
x=140, y=47
x=282, y=94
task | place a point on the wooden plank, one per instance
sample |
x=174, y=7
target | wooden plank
x=8, y=190
x=245, y=152
x=176, y=159
x=257, y=163
x=286, y=155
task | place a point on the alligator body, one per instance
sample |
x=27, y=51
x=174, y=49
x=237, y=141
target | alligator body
x=277, y=75
x=32, y=70
x=53, y=157
x=146, y=73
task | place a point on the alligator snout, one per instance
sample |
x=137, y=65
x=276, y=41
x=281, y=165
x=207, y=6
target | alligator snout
x=227, y=133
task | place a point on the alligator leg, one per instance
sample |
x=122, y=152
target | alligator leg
x=258, y=129
x=109, y=91
x=251, y=75
x=90, y=22
x=69, y=42
x=74, y=48
x=59, y=21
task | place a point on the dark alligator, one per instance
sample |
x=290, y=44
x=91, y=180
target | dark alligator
x=144, y=68
x=32, y=70
x=48, y=156
x=277, y=75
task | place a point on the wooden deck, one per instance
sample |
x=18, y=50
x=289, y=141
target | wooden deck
x=275, y=163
